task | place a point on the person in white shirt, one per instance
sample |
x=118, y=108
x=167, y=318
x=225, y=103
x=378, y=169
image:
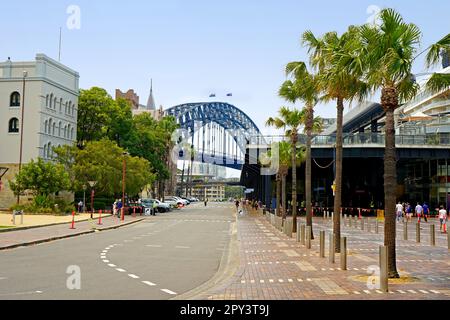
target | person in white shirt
x=399, y=210
x=419, y=211
x=443, y=217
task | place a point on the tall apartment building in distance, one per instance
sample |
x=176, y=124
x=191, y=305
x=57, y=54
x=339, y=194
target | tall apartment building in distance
x=47, y=93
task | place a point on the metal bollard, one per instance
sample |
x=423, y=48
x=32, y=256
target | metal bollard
x=405, y=231
x=384, y=284
x=302, y=234
x=289, y=228
x=356, y=222
x=432, y=235
x=331, y=247
x=448, y=240
x=324, y=215
x=322, y=244
x=308, y=237
x=377, y=227
x=298, y=231
x=418, y=232
x=343, y=254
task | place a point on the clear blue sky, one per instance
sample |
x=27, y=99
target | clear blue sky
x=193, y=48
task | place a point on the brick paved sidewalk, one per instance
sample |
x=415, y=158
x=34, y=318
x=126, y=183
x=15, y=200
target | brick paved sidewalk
x=9, y=240
x=276, y=267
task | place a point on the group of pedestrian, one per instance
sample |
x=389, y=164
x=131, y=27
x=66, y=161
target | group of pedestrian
x=117, y=208
x=404, y=211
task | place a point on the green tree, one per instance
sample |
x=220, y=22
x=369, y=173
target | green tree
x=385, y=57
x=94, y=114
x=102, y=161
x=290, y=121
x=336, y=84
x=304, y=87
x=41, y=178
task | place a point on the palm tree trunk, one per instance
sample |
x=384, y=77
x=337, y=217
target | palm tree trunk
x=308, y=191
x=389, y=101
x=284, y=203
x=338, y=180
x=278, y=195
x=294, y=181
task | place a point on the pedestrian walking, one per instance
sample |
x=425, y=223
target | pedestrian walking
x=206, y=202
x=426, y=211
x=399, y=210
x=119, y=208
x=443, y=219
x=80, y=206
x=419, y=212
x=408, y=212
x=115, y=208
x=237, y=203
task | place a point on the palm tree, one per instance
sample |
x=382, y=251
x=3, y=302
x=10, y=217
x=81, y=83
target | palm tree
x=336, y=84
x=284, y=151
x=385, y=58
x=438, y=81
x=290, y=121
x=304, y=88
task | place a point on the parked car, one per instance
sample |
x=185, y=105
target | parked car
x=176, y=201
x=160, y=206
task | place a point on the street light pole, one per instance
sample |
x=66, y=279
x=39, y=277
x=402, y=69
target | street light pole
x=92, y=184
x=123, y=184
x=25, y=74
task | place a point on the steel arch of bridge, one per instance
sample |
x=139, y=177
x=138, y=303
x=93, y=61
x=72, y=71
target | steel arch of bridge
x=194, y=116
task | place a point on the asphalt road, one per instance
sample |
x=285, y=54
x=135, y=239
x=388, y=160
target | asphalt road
x=160, y=258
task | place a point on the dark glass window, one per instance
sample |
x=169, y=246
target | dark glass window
x=13, y=126
x=15, y=99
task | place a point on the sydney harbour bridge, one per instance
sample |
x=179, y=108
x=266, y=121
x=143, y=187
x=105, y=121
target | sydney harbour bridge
x=221, y=134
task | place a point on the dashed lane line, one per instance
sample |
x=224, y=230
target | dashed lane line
x=168, y=291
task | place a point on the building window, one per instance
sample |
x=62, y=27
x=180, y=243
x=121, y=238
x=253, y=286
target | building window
x=46, y=101
x=71, y=133
x=60, y=105
x=51, y=101
x=59, y=129
x=45, y=151
x=54, y=105
x=14, y=99
x=54, y=128
x=13, y=126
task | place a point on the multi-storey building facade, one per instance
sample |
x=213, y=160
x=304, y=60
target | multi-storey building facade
x=45, y=94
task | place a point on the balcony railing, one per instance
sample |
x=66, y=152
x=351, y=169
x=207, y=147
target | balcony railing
x=367, y=139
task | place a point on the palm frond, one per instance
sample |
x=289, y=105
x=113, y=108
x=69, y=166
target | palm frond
x=435, y=51
x=438, y=82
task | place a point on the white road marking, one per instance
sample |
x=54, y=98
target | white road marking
x=367, y=291
x=151, y=284
x=121, y=270
x=181, y=247
x=412, y=291
x=435, y=291
x=153, y=246
x=401, y=291
x=424, y=291
x=168, y=291
x=133, y=276
x=105, y=261
x=112, y=265
x=356, y=292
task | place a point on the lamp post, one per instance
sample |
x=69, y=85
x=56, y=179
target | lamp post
x=125, y=154
x=84, y=198
x=92, y=184
x=25, y=74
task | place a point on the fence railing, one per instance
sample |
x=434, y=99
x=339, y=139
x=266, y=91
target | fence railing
x=363, y=139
